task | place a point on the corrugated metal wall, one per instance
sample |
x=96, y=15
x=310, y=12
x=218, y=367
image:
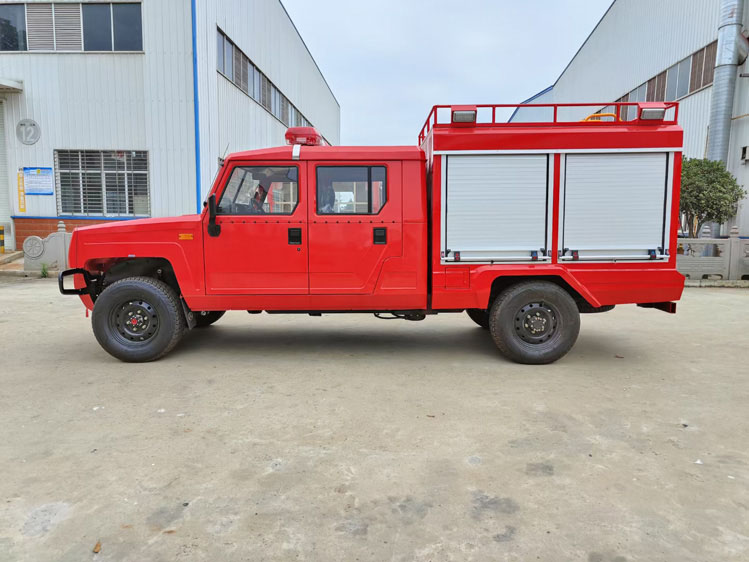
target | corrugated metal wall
x=694, y=117
x=113, y=101
x=636, y=40
x=230, y=118
x=137, y=101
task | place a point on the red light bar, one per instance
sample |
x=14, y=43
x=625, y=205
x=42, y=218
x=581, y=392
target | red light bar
x=307, y=136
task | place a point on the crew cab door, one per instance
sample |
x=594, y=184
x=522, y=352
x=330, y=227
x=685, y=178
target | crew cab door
x=355, y=224
x=262, y=244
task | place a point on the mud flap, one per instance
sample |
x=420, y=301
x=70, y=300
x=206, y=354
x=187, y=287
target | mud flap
x=189, y=316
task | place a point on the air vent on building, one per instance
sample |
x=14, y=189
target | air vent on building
x=41, y=34
x=68, y=27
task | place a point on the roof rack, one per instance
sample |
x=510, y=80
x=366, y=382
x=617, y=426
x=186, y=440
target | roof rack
x=597, y=114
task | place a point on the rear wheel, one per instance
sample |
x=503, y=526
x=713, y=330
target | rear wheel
x=535, y=322
x=480, y=316
x=138, y=319
x=207, y=317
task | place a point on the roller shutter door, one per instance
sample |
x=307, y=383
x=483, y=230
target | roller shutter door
x=614, y=204
x=496, y=207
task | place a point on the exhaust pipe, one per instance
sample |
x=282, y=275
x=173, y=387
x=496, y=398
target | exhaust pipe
x=732, y=52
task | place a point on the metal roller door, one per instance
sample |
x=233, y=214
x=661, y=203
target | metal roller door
x=614, y=206
x=4, y=187
x=496, y=207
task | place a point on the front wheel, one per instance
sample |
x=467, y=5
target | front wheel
x=534, y=322
x=138, y=319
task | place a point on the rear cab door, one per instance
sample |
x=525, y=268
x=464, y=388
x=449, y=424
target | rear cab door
x=355, y=224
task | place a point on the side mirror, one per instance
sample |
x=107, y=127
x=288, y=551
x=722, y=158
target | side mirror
x=213, y=228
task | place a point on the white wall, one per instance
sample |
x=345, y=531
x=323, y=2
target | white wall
x=636, y=40
x=144, y=101
x=126, y=101
x=694, y=117
x=228, y=117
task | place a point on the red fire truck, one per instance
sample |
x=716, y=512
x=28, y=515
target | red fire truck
x=523, y=225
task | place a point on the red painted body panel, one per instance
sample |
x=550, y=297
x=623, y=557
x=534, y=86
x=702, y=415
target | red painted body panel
x=251, y=265
x=252, y=255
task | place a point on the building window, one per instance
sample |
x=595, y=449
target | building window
x=128, y=27
x=220, y=52
x=228, y=59
x=682, y=86
x=102, y=183
x=261, y=190
x=97, y=27
x=671, y=82
x=239, y=69
x=100, y=20
x=12, y=27
x=685, y=77
x=67, y=27
x=351, y=190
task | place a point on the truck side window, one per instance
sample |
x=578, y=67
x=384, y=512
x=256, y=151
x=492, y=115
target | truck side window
x=261, y=190
x=351, y=190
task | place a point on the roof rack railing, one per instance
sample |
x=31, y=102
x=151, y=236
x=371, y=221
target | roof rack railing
x=596, y=114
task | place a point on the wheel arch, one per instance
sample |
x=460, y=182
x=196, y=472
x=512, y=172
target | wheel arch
x=115, y=269
x=582, y=298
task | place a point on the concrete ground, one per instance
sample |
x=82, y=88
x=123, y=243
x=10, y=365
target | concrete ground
x=349, y=438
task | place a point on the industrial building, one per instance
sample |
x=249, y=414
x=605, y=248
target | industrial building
x=119, y=110
x=692, y=51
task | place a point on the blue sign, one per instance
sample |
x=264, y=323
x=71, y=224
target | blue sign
x=39, y=181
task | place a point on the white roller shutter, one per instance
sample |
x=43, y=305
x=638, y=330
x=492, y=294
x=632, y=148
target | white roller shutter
x=4, y=187
x=40, y=29
x=496, y=207
x=614, y=205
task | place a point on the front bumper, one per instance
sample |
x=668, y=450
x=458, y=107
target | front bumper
x=89, y=280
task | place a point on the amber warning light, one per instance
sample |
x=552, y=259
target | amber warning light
x=308, y=136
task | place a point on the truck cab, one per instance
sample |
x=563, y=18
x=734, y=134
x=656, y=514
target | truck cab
x=524, y=226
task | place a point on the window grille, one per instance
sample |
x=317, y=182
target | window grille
x=102, y=183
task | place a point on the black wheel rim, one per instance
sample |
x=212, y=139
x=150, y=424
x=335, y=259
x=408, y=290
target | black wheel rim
x=536, y=322
x=135, y=320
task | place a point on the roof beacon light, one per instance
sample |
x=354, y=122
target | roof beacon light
x=652, y=112
x=465, y=114
x=307, y=136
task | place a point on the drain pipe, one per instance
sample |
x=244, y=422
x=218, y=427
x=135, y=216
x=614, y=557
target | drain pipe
x=732, y=52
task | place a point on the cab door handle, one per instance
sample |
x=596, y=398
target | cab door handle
x=295, y=236
x=380, y=235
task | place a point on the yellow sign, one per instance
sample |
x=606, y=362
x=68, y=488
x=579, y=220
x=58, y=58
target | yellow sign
x=21, y=193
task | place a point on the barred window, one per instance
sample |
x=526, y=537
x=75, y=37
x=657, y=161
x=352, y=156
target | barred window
x=102, y=183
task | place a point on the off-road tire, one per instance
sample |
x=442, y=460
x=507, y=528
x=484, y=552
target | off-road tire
x=138, y=297
x=553, y=308
x=480, y=316
x=206, y=318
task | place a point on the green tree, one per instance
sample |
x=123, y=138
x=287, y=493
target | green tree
x=709, y=193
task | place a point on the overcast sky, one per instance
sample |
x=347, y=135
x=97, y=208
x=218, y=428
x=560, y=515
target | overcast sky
x=389, y=61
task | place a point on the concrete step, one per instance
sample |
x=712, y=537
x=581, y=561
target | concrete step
x=8, y=257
